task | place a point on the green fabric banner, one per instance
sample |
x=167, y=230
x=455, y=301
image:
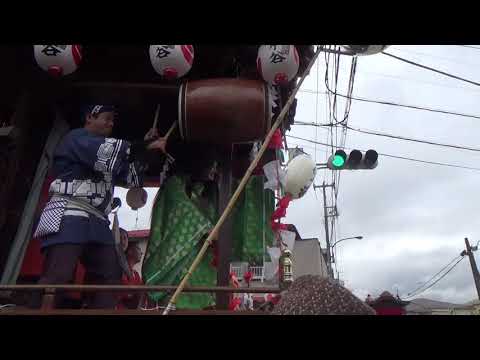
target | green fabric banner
x=179, y=226
x=251, y=230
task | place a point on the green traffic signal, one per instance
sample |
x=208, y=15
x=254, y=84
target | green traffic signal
x=354, y=161
x=338, y=161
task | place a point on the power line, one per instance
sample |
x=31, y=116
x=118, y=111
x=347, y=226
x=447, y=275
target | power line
x=433, y=277
x=415, y=107
x=397, y=137
x=413, y=140
x=449, y=59
x=454, y=265
x=431, y=69
x=303, y=146
x=434, y=83
x=470, y=46
x=431, y=83
x=397, y=157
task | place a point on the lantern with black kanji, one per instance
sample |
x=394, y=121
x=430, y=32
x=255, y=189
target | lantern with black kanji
x=278, y=64
x=171, y=61
x=58, y=60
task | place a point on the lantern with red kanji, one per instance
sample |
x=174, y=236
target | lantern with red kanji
x=58, y=60
x=171, y=61
x=278, y=64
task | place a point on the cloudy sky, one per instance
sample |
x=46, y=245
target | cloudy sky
x=413, y=216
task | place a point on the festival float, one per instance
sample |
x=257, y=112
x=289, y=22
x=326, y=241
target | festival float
x=223, y=188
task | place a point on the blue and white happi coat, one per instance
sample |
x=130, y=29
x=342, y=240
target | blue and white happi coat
x=86, y=168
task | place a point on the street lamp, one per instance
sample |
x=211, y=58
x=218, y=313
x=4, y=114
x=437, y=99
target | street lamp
x=336, y=242
x=354, y=237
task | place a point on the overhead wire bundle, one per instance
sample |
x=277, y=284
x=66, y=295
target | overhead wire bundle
x=333, y=139
x=428, y=284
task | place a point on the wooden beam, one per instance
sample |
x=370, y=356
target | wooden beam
x=225, y=235
x=142, y=288
x=128, y=312
x=124, y=85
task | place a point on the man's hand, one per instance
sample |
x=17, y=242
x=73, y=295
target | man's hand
x=151, y=134
x=159, y=144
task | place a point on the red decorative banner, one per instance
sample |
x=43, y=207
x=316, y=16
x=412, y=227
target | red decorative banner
x=276, y=142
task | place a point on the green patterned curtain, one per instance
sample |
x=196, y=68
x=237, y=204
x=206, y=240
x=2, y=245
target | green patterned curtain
x=251, y=219
x=178, y=228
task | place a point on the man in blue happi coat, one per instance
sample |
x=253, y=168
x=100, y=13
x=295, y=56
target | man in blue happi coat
x=74, y=224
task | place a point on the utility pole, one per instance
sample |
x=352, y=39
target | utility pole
x=327, y=234
x=473, y=264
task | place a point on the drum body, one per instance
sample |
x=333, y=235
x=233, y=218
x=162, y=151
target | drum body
x=224, y=111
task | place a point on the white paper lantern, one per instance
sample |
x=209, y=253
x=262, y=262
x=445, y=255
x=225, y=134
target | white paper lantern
x=137, y=198
x=301, y=171
x=278, y=64
x=172, y=61
x=365, y=49
x=58, y=60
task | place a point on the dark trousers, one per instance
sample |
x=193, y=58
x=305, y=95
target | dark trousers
x=101, y=265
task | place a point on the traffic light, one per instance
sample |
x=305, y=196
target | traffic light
x=354, y=161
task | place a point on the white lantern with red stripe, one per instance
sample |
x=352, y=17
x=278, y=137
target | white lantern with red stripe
x=301, y=171
x=172, y=61
x=58, y=60
x=278, y=64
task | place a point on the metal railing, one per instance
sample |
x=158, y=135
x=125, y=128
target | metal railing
x=237, y=271
x=258, y=272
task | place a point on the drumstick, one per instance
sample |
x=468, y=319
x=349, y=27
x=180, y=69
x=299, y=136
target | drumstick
x=169, y=132
x=167, y=135
x=155, y=120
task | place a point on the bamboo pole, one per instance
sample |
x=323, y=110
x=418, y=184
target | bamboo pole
x=240, y=187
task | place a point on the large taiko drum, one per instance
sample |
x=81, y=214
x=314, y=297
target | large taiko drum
x=224, y=111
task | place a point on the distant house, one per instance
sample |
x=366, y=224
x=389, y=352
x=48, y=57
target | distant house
x=423, y=306
x=309, y=258
x=471, y=308
x=432, y=307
